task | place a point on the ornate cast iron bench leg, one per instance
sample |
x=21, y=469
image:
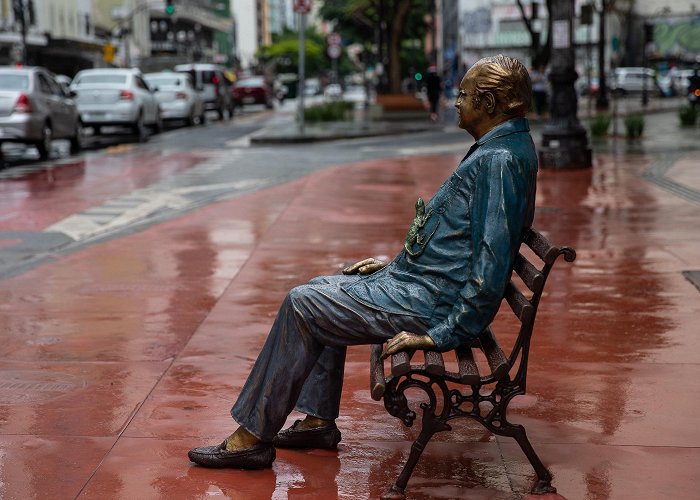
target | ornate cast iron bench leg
x=544, y=478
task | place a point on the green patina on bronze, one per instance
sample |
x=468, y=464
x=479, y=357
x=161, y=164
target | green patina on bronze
x=413, y=236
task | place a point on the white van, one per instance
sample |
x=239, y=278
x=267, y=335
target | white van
x=211, y=82
x=631, y=80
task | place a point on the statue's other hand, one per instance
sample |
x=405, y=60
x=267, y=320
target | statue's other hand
x=407, y=341
x=367, y=266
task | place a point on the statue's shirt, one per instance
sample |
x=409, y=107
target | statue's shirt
x=460, y=248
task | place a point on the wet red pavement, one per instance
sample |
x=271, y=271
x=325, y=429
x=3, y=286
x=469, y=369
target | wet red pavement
x=119, y=358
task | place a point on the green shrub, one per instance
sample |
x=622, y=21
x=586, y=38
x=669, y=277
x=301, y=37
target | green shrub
x=634, y=125
x=328, y=111
x=688, y=115
x=600, y=125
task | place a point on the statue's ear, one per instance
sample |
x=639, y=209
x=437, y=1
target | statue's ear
x=489, y=102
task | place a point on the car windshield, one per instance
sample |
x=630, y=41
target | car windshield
x=13, y=82
x=250, y=82
x=164, y=81
x=119, y=79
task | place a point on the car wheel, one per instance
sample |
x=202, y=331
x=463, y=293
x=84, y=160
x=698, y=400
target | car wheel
x=44, y=145
x=76, y=140
x=140, y=129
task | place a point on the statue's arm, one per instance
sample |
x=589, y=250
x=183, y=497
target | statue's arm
x=497, y=217
x=366, y=266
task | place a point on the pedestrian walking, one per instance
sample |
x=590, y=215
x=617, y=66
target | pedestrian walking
x=694, y=88
x=433, y=88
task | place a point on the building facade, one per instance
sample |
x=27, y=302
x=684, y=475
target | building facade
x=58, y=34
x=487, y=27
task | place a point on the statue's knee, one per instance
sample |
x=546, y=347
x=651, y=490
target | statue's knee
x=297, y=295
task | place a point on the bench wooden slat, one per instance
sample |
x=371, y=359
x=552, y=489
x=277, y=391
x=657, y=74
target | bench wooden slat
x=531, y=276
x=522, y=307
x=377, y=380
x=400, y=363
x=468, y=371
x=434, y=363
x=541, y=246
x=494, y=354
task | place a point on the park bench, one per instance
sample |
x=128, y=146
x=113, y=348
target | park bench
x=483, y=397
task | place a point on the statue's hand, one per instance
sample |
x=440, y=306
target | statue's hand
x=367, y=266
x=407, y=341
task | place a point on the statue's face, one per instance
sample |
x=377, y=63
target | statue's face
x=469, y=110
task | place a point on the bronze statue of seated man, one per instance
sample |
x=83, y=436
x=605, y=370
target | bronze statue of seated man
x=441, y=291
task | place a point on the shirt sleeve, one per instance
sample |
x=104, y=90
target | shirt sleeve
x=497, y=214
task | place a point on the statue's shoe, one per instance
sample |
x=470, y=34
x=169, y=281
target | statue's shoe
x=259, y=456
x=325, y=438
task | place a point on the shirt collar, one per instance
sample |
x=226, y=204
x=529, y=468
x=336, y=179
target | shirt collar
x=506, y=128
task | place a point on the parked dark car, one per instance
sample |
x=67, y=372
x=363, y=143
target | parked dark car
x=252, y=90
x=34, y=109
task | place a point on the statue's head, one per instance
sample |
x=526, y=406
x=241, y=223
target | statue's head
x=495, y=89
x=508, y=80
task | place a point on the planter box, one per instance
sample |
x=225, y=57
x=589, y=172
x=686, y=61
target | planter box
x=400, y=102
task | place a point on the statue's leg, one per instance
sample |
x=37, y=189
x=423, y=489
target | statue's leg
x=274, y=383
x=320, y=395
x=311, y=318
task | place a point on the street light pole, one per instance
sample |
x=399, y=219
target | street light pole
x=602, y=97
x=302, y=63
x=564, y=140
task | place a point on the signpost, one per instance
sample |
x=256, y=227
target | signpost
x=301, y=7
x=334, y=51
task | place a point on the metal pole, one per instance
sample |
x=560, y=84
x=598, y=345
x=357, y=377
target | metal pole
x=602, y=100
x=23, y=27
x=645, y=62
x=302, y=62
x=564, y=139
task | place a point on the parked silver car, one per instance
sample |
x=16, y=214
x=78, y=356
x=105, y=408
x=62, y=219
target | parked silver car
x=116, y=97
x=177, y=97
x=35, y=110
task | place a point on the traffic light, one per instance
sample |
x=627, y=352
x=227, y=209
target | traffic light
x=169, y=7
x=418, y=76
x=648, y=32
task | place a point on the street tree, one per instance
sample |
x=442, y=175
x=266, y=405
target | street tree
x=388, y=22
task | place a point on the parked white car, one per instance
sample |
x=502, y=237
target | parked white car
x=116, y=97
x=333, y=90
x=177, y=97
x=681, y=81
x=631, y=80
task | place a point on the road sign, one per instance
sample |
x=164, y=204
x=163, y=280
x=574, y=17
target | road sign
x=302, y=6
x=108, y=51
x=334, y=51
x=333, y=39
